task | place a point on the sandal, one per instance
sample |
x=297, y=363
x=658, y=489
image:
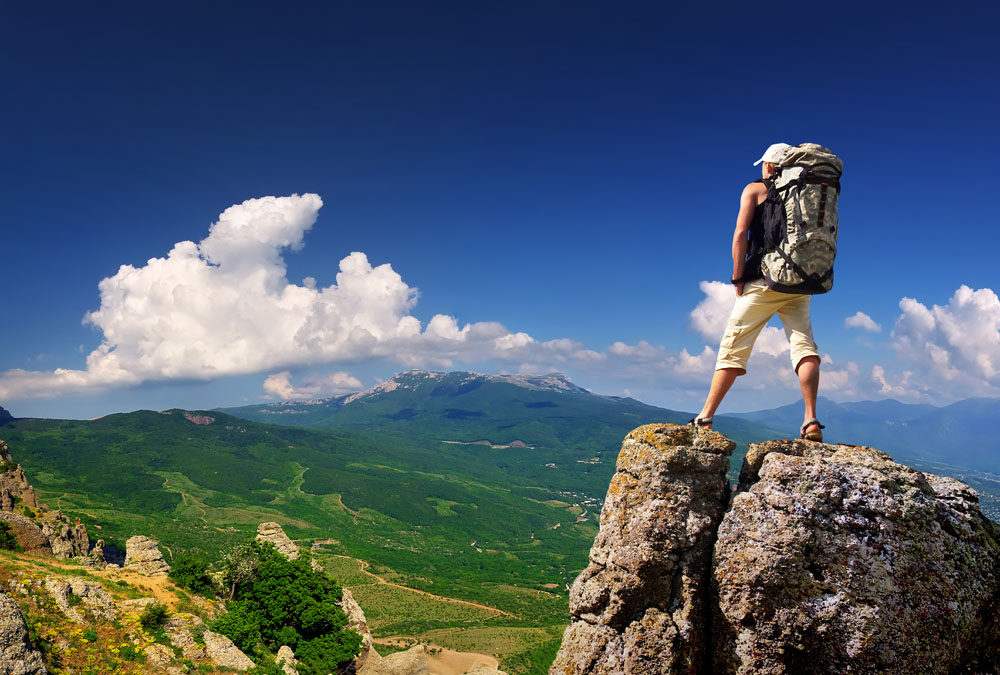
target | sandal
x=816, y=435
x=700, y=422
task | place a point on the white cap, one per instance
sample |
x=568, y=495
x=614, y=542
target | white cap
x=773, y=153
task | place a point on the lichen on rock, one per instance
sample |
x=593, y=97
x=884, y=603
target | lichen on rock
x=640, y=604
x=835, y=558
x=829, y=559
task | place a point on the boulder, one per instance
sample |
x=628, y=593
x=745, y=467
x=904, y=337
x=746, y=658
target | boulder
x=272, y=533
x=158, y=656
x=178, y=628
x=28, y=534
x=829, y=559
x=834, y=558
x=17, y=655
x=68, y=540
x=411, y=662
x=286, y=659
x=640, y=606
x=93, y=596
x=224, y=654
x=143, y=555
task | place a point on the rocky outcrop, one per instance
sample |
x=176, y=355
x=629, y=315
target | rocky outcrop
x=67, y=539
x=271, y=533
x=411, y=662
x=143, y=555
x=5, y=416
x=224, y=653
x=356, y=620
x=829, y=559
x=17, y=655
x=286, y=659
x=91, y=596
x=641, y=604
x=14, y=484
x=29, y=535
x=20, y=506
x=836, y=558
x=179, y=628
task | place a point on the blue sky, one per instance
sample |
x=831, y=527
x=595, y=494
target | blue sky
x=560, y=179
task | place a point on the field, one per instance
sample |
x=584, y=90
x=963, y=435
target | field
x=509, y=548
x=406, y=616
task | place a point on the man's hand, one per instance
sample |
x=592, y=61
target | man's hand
x=739, y=289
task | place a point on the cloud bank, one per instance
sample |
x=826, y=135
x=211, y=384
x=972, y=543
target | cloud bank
x=224, y=307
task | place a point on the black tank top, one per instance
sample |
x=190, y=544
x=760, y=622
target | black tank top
x=755, y=245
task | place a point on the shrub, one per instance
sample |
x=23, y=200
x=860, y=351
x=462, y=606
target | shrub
x=90, y=634
x=8, y=542
x=153, y=617
x=285, y=602
x=191, y=572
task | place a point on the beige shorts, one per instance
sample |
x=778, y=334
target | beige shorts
x=751, y=313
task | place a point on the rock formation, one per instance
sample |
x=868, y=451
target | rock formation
x=411, y=662
x=13, y=483
x=271, y=533
x=830, y=559
x=91, y=594
x=837, y=558
x=28, y=534
x=5, y=416
x=641, y=603
x=38, y=530
x=143, y=555
x=356, y=620
x=286, y=659
x=17, y=655
x=68, y=540
x=224, y=653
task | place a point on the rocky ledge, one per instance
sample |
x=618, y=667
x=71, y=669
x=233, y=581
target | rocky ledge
x=828, y=559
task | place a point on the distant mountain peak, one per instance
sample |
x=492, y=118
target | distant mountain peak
x=5, y=416
x=411, y=379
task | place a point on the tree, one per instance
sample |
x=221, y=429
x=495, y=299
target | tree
x=191, y=572
x=240, y=563
x=276, y=601
x=8, y=540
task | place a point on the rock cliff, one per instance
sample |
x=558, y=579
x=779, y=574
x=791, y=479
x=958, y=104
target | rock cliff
x=143, y=555
x=17, y=655
x=272, y=533
x=828, y=559
x=38, y=530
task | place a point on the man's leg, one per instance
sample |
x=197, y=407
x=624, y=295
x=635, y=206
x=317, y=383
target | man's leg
x=722, y=380
x=808, y=372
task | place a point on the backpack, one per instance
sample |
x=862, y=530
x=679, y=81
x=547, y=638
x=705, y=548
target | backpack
x=800, y=220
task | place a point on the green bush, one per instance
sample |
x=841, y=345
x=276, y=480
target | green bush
x=153, y=617
x=285, y=602
x=191, y=572
x=8, y=542
x=90, y=634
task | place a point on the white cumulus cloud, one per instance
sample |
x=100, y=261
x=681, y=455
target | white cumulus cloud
x=864, y=322
x=956, y=345
x=224, y=306
x=340, y=382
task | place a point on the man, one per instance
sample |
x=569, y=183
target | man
x=756, y=304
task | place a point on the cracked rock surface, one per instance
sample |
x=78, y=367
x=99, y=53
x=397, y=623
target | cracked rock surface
x=640, y=606
x=836, y=559
x=829, y=559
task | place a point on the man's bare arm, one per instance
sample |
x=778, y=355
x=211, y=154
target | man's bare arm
x=748, y=203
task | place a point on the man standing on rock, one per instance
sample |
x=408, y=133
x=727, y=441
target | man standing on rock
x=756, y=303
